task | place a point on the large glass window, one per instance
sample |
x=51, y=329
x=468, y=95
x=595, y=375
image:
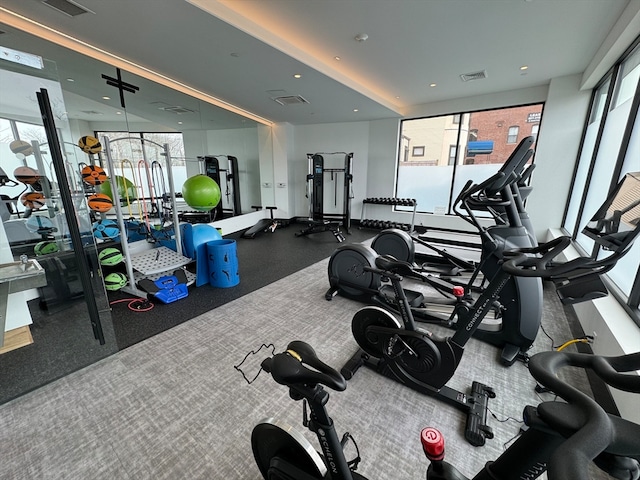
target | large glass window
x=457, y=148
x=604, y=164
x=610, y=149
x=586, y=153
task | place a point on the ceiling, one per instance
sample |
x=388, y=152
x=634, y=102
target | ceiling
x=247, y=52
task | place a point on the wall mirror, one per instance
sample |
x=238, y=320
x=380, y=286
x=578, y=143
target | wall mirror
x=82, y=103
x=200, y=128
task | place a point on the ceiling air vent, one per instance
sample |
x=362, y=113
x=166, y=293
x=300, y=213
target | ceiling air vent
x=467, y=77
x=67, y=7
x=290, y=100
x=178, y=110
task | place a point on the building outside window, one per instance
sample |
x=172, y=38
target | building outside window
x=457, y=147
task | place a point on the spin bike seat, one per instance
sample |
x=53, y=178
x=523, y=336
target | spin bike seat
x=288, y=368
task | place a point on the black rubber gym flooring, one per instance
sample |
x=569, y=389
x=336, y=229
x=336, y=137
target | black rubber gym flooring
x=262, y=260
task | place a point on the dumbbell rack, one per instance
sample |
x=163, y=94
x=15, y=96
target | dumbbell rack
x=405, y=202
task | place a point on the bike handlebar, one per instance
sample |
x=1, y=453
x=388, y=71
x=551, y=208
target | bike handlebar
x=571, y=459
x=287, y=368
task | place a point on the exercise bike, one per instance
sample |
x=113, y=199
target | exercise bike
x=282, y=453
x=563, y=437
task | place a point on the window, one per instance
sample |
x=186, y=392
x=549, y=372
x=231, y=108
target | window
x=610, y=149
x=472, y=149
x=628, y=79
x=512, y=137
x=534, y=131
x=456, y=119
x=418, y=151
x=452, y=154
x=586, y=152
x=599, y=101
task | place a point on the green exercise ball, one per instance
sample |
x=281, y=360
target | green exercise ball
x=201, y=193
x=125, y=186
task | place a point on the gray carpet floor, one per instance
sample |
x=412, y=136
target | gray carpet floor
x=174, y=407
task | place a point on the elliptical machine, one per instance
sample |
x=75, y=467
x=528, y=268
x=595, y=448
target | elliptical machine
x=500, y=195
x=519, y=312
x=512, y=319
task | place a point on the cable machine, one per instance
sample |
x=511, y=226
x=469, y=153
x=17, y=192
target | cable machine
x=231, y=182
x=319, y=220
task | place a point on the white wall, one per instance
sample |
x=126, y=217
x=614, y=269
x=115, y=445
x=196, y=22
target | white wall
x=282, y=155
x=563, y=118
x=338, y=137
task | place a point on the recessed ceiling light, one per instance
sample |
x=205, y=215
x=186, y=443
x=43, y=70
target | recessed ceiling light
x=297, y=75
x=524, y=67
x=70, y=80
x=106, y=98
x=118, y=113
x=355, y=110
x=398, y=97
x=337, y=58
x=179, y=123
x=432, y=84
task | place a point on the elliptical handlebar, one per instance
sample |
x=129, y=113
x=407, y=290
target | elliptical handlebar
x=287, y=368
x=524, y=262
x=388, y=264
x=572, y=458
x=534, y=261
